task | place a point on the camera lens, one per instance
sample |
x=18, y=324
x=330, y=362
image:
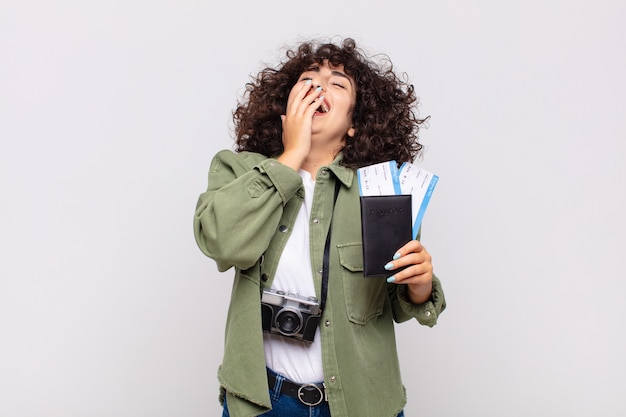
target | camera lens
x=288, y=322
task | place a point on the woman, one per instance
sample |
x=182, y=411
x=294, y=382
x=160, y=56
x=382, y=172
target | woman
x=302, y=130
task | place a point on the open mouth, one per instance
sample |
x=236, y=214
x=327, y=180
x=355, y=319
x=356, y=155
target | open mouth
x=323, y=108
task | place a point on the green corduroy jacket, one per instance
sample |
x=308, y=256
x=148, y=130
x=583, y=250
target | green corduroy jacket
x=243, y=221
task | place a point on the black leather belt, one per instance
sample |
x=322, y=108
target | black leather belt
x=308, y=394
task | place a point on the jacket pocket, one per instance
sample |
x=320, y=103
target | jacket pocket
x=365, y=297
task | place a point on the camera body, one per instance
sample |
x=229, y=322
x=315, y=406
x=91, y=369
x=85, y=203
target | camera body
x=290, y=314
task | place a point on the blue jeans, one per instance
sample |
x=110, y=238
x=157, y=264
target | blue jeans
x=286, y=406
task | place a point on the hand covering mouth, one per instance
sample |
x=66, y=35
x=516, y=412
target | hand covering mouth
x=324, y=107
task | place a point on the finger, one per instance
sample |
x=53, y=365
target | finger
x=315, y=105
x=301, y=90
x=410, y=247
x=312, y=96
x=301, y=104
x=414, y=274
x=413, y=246
x=297, y=93
x=413, y=258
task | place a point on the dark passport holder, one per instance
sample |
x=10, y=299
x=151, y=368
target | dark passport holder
x=386, y=225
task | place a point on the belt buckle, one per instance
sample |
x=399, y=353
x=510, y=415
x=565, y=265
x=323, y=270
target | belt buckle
x=304, y=388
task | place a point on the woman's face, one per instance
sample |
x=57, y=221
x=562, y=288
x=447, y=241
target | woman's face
x=333, y=119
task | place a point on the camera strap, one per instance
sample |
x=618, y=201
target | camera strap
x=327, y=250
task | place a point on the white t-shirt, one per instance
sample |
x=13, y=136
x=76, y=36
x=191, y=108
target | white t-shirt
x=298, y=361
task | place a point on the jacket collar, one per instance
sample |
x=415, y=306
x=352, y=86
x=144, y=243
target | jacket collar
x=344, y=174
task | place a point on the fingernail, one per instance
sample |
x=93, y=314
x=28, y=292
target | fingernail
x=396, y=256
x=389, y=266
x=319, y=88
x=309, y=81
x=391, y=279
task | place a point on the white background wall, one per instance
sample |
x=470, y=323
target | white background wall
x=110, y=112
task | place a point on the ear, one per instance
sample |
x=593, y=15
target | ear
x=351, y=131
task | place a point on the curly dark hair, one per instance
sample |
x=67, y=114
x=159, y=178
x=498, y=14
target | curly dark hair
x=385, y=115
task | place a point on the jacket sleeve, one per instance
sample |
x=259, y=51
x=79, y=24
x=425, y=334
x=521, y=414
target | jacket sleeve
x=239, y=212
x=426, y=313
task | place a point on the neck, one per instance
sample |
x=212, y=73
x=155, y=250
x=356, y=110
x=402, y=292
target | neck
x=318, y=158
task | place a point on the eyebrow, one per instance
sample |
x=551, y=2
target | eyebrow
x=333, y=72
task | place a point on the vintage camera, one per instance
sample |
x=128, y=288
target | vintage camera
x=290, y=314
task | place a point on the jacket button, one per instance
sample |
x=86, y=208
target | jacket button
x=264, y=277
x=282, y=228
